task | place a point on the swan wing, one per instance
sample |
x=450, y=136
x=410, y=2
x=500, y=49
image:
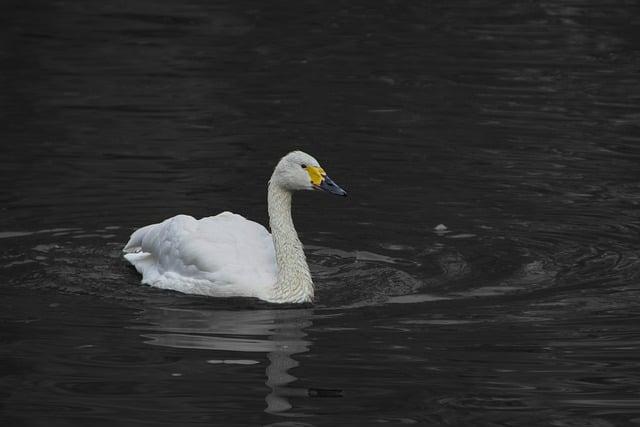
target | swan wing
x=222, y=255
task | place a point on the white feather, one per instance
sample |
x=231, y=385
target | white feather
x=223, y=255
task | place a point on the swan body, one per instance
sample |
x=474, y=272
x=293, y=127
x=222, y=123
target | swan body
x=227, y=255
x=222, y=255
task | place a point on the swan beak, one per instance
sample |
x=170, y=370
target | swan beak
x=321, y=181
x=331, y=187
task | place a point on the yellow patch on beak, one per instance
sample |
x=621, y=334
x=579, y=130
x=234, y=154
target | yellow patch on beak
x=316, y=174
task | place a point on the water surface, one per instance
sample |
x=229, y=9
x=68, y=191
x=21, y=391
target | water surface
x=483, y=270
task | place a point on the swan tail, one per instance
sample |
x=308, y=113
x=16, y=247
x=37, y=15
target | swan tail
x=144, y=264
x=135, y=241
x=143, y=261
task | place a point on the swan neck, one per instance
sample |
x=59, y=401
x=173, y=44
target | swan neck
x=293, y=282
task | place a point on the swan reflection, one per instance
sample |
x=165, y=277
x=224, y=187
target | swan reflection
x=279, y=333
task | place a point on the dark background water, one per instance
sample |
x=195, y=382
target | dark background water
x=515, y=124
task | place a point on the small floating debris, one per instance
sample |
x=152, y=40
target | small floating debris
x=441, y=229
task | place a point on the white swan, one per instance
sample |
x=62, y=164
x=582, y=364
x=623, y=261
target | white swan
x=227, y=255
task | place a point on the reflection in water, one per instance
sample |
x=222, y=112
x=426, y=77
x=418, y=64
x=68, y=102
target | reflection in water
x=279, y=333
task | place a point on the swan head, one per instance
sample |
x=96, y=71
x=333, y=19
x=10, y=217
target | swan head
x=300, y=171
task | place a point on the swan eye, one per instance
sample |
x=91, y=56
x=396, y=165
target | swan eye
x=303, y=166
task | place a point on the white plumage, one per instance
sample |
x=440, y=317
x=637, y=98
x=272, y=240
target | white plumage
x=227, y=255
x=223, y=255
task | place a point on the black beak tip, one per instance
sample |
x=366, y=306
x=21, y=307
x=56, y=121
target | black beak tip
x=331, y=187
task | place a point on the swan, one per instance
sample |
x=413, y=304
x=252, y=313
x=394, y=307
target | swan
x=227, y=255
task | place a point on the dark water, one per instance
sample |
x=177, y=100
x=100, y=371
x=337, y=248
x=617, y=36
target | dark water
x=514, y=124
